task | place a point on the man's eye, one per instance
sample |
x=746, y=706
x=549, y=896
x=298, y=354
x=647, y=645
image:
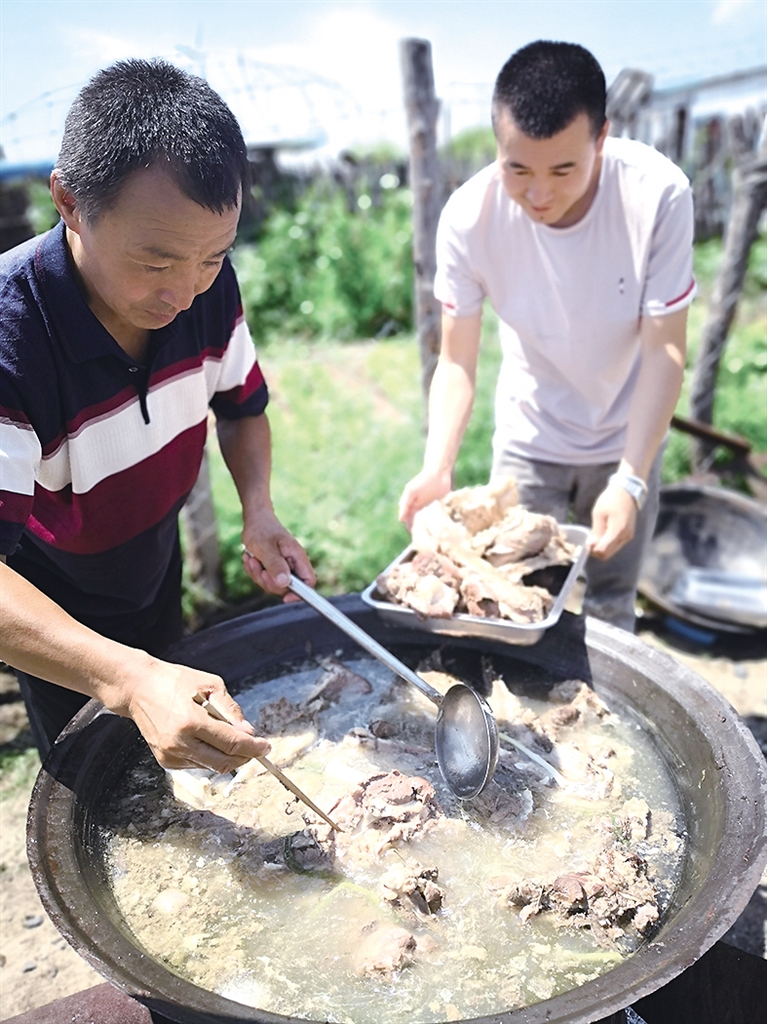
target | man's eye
x=153, y=270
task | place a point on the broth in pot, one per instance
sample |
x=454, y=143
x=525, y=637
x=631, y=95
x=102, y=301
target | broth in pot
x=424, y=908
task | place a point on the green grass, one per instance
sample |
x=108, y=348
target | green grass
x=347, y=424
x=347, y=433
x=18, y=770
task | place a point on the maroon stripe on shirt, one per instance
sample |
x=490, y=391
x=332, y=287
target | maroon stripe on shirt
x=182, y=366
x=128, y=394
x=96, y=411
x=15, y=507
x=14, y=416
x=239, y=394
x=124, y=504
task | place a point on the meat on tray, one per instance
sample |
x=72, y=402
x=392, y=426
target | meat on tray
x=472, y=552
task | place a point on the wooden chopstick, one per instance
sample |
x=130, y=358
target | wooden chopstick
x=202, y=700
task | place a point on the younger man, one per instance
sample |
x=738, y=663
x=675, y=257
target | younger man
x=583, y=245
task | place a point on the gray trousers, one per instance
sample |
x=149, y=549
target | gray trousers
x=568, y=493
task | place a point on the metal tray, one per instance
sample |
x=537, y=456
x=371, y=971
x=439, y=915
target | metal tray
x=475, y=625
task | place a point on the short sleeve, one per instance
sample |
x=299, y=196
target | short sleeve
x=20, y=454
x=669, y=281
x=455, y=285
x=241, y=389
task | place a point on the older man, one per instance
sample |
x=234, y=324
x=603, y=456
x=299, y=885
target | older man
x=120, y=328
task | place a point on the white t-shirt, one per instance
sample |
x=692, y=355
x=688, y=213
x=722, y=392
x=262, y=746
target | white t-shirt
x=570, y=299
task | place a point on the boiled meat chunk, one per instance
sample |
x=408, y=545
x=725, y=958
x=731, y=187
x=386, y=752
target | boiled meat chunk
x=429, y=584
x=472, y=551
x=410, y=884
x=477, y=508
x=382, y=951
x=613, y=898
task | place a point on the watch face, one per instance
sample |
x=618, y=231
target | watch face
x=638, y=494
x=636, y=491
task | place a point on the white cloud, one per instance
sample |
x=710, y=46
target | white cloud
x=350, y=47
x=726, y=10
x=92, y=48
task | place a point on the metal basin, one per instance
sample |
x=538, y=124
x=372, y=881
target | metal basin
x=707, y=561
x=717, y=767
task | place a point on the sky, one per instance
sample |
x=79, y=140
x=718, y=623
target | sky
x=327, y=71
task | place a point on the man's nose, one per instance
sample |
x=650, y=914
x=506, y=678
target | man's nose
x=537, y=192
x=181, y=293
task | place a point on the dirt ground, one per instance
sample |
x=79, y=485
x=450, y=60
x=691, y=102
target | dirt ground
x=36, y=963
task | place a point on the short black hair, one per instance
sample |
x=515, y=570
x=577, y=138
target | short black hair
x=138, y=114
x=546, y=85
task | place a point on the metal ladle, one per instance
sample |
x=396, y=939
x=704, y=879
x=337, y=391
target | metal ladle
x=466, y=734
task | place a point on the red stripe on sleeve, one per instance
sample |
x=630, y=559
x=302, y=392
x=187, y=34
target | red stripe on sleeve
x=243, y=392
x=684, y=295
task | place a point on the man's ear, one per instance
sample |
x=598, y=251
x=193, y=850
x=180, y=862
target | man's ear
x=600, y=141
x=65, y=203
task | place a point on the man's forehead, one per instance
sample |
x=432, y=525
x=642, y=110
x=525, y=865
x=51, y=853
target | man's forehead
x=155, y=184
x=158, y=219
x=560, y=148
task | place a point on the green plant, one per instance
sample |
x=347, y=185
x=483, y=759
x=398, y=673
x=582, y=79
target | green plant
x=346, y=426
x=41, y=212
x=475, y=146
x=18, y=769
x=325, y=270
x=741, y=388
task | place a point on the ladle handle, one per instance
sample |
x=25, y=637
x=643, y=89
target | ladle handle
x=324, y=607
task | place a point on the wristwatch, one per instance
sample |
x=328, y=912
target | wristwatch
x=633, y=485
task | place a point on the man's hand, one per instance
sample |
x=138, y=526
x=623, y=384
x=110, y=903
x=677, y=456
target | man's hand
x=272, y=553
x=421, y=491
x=613, y=521
x=39, y=637
x=180, y=733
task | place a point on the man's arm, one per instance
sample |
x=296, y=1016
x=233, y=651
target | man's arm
x=271, y=552
x=450, y=402
x=663, y=346
x=38, y=637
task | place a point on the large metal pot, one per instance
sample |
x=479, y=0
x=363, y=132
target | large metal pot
x=719, y=772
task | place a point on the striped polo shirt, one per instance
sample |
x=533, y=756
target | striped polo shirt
x=98, y=452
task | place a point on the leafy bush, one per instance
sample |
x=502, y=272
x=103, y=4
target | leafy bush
x=42, y=213
x=325, y=271
x=476, y=146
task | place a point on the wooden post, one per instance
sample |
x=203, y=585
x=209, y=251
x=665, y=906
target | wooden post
x=422, y=108
x=749, y=200
x=201, y=553
x=628, y=94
